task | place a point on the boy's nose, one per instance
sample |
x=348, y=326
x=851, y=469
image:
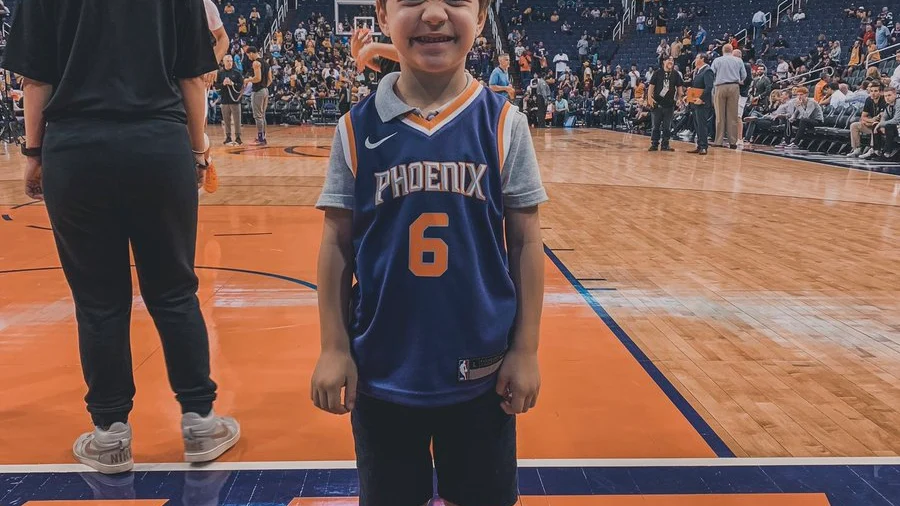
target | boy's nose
x=434, y=13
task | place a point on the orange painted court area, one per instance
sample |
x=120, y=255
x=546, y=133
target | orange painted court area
x=596, y=400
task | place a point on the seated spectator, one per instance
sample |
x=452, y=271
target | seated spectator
x=895, y=79
x=560, y=110
x=835, y=51
x=798, y=16
x=781, y=110
x=229, y=9
x=871, y=115
x=554, y=18
x=882, y=35
x=839, y=94
x=566, y=28
x=807, y=115
x=780, y=43
x=887, y=127
x=895, y=34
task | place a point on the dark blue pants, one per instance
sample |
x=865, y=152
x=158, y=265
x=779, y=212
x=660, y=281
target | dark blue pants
x=701, y=122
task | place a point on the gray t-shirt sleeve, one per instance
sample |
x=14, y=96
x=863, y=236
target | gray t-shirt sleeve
x=340, y=182
x=521, y=176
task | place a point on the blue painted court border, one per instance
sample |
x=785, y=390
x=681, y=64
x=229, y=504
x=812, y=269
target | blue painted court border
x=843, y=485
x=693, y=417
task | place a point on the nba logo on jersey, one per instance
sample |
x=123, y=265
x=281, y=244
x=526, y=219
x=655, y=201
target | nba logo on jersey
x=463, y=370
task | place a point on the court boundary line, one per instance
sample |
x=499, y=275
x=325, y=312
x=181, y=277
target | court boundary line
x=523, y=464
x=716, y=443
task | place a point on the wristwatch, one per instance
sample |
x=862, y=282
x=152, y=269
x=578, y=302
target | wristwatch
x=31, y=152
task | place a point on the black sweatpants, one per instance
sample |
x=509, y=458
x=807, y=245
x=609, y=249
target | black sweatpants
x=662, y=124
x=107, y=185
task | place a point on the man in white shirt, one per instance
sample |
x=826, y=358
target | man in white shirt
x=839, y=97
x=562, y=62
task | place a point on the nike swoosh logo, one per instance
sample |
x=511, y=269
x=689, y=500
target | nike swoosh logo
x=371, y=145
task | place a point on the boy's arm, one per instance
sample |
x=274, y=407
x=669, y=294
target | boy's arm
x=335, y=369
x=519, y=379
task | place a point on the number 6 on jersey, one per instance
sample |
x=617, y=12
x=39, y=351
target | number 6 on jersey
x=419, y=245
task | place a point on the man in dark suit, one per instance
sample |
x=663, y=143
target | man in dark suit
x=704, y=79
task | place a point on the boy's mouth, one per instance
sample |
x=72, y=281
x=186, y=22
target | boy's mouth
x=433, y=39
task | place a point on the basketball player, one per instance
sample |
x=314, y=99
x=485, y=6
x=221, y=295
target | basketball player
x=260, y=80
x=116, y=171
x=440, y=334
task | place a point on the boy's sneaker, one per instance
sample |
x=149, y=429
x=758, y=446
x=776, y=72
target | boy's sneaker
x=107, y=451
x=238, y=141
x=853, y=154
x=207, y=438
x=227, y=141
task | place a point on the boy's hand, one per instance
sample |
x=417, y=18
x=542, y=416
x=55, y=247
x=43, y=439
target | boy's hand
x=519, y=381
x=334, y=371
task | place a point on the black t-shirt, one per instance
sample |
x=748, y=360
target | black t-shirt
x=111, y=59
x=873, y=108
x=664, y=86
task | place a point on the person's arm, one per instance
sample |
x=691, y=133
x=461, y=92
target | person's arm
x=335, y=369
x=193, y=93
x=519, y=378
x=375, y=50
x=257, y=73
x=650, y=95
x=37, y=95
x=222, y=43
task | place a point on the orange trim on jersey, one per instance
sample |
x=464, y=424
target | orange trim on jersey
x=352, y=142
x=453, y=107
x=500, y=133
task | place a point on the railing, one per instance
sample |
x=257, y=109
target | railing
x=495, y=30
x=741, y=37
x=785, y=5
x=628, y=9
x=281, y=9
x=870, y=62
x=828, y=70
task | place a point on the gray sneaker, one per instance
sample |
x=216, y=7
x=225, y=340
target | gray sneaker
x=107, y=451
x=207, y=438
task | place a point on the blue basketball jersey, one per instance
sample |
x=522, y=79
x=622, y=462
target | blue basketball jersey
x=433, y=307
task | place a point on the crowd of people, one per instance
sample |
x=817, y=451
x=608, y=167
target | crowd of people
x=313, y=73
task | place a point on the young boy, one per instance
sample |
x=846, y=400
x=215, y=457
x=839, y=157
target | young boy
x=439, y=336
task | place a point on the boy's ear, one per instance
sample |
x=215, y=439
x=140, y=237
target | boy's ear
x=381, y=14
x=482, y=18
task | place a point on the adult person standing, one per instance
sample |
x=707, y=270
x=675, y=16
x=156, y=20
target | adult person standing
x=730, y=73
x=108, y=147
x=260, y=79
x=229, y=86
x=701, y=100
x=499, y=80
x=665, y=90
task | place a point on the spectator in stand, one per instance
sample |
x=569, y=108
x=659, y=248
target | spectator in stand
x=640, y=22
x=799, y=15
x=760, y=89
x=662, y=49
x=525, y=67
x=895, y=34
x=872, y=53
x=807, y=115
x=824, y=81
x=895, y=79
x=882, y=35
x=700, y=40
x=871, y=115
x=499, y=81
x=560, y=110
x=666, y=90
x=743, y=96
x=889, y=123
x=839, y=95
x=661, y=21
x=827, y=94
x=783, y=109
x=868, y=35
x=885, y=16
x=562, y=63
x=730, y=72
x=835, y=51
x=582, y=47
x=780, y=43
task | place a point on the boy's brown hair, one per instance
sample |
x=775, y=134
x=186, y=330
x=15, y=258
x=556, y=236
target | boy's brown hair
x=483, y=5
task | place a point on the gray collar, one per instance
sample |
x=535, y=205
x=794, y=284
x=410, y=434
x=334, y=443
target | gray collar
x=389, y=105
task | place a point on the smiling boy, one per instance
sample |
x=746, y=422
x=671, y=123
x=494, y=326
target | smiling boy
x=439, y=336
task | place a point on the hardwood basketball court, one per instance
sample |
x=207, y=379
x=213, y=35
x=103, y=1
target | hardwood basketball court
x=697, y=309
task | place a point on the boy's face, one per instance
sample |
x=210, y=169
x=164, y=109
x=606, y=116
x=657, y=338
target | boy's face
x=431, y=35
